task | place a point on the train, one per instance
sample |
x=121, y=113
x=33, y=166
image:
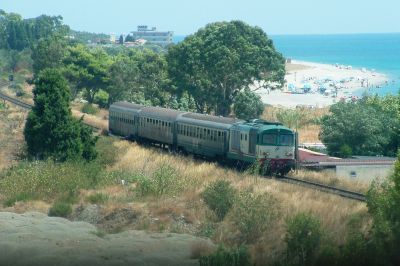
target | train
x=269, y=145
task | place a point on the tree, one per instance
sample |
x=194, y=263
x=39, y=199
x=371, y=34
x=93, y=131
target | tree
x=139, y=77
x=248, y=105
x=364, y=127
x=129, y=38
x=383, y=201
x=220, y=60
x=50, y=130
x=49, y=53
x=294, y=119
x=87, y=69
x=121, y=39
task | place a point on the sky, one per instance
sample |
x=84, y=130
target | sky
x=186, y=16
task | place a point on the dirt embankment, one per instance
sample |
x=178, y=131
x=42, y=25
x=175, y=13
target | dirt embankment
x=35, y=239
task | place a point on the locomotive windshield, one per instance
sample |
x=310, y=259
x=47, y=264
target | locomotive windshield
x=269, y=139
x=275, y=139
x=286, y=140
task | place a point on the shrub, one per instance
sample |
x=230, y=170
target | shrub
x=224, y=257
x=13, y=199
x=60, y=209
x=163, y=181
x=97, y=198
x=303, y=237
x=101, y=98
x=47, y=180
x=253, y=215
x=219, y=197
x=345, y=150
x=3, y=106
x=88, y=108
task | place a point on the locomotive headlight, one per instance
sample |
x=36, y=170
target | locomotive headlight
x=265, y=153
x=289, y=154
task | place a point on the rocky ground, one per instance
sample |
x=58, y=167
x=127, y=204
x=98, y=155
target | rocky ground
x=34, y=238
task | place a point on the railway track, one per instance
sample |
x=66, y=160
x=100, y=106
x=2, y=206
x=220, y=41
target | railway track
x=29, y=106
x=333, y=190
x=325, y=188
x=15, y=101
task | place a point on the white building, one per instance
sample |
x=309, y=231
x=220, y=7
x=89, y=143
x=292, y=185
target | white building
x=153, y=36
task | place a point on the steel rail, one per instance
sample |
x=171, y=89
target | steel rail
x=325, y=188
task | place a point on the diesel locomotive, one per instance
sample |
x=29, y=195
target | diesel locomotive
x=269, y=143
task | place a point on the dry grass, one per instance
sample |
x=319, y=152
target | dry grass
x=330, y=178
x=201, y=248
x=93, y=120
x=12, y=122
x=308, y=133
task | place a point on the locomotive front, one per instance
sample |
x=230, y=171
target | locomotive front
x=276, y=148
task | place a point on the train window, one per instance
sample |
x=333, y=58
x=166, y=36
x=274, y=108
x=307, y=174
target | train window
x=286, y=139
x=269, y=139
x=241, y=136
x=245, y=137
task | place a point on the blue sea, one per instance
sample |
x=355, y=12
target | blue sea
x=371, y=51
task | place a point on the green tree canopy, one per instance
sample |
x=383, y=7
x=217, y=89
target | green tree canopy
x=140, y=77
x=383, y=201
x=17, y=33
x=50, y=130
x=87, y=70
x=367, y=127
x=49, y=53
x=248, y=105
x=220, y=60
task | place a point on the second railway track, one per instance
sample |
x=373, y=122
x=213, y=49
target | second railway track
x=325, y=188
x=321, y=187
x=29, y=106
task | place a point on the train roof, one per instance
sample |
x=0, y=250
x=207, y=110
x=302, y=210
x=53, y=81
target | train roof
x=159, y=112
x=212, y=118
x=182, y=116
x=126, y=105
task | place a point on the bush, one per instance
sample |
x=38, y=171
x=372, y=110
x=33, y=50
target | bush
x=101, y=99
x=3, y=106
x=223, y=257
x=13, y=199
x=97, y=198
x=164, y=181
x=345, y=150
x=60, y=209
x=303, y=237
x=219, y=197
x=47, y=180
x=253, y=215
x=88, y=108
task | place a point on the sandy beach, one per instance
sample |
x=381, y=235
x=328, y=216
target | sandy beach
x=320, y=85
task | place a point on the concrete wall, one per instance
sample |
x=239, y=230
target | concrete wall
x=363, y=172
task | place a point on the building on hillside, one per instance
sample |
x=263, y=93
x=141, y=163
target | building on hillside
x=113, y=38
x=357, y=168
x=153, y=36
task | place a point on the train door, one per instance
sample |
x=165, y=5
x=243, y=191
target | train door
x=252, y=141
x=244, y=142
